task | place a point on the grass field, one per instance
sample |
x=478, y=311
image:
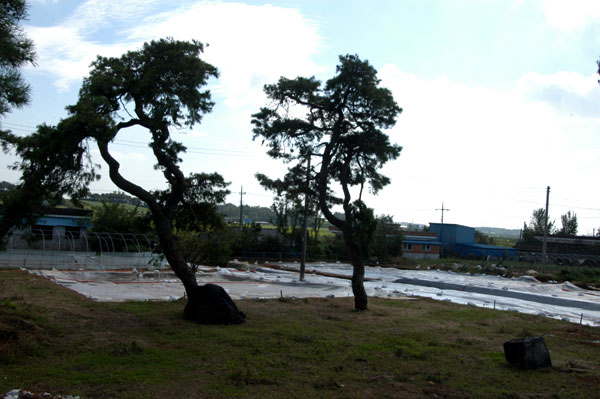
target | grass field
x=53, y=340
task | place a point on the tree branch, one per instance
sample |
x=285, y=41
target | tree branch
x=172, y=172
x=121, y=182
x=322, y=186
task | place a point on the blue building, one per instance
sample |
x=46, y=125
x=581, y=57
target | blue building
x=55, y=229
x=63, y=222
x=459, y=241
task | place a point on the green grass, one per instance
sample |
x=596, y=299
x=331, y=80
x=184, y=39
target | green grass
x=295, y=348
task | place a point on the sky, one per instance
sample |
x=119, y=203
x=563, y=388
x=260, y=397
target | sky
x=500, y=98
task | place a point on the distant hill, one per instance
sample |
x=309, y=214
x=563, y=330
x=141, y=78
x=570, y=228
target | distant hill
x=116, y=197
x=498, y=232
x=256, y=213
x=413, y=226
x=230, y=211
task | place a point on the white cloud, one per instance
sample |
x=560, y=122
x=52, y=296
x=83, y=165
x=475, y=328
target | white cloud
x=569, y=81
x=570, y=15
x=93, y=15
x=472, y=147
x=195, y=133
x=122, y=157
x=567, y=92
x=246, y=43
x=63, y=52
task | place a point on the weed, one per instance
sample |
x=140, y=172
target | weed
x=502, y=330
x=438, y=377
x=132, y=349
x=8, y=305
x=525, y=333
x=407, y=354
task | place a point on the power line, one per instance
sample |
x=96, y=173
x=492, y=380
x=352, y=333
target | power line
x=191, y=148
x=560, y=205
x=577, y=207
x=141, y=144
x=260, y=195
x=16, y=124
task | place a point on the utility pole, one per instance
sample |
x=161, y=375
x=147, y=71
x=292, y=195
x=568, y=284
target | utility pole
x=442, y=227
x=545, y=244
x=442, y=209
x=241, y=207
x=304, y=226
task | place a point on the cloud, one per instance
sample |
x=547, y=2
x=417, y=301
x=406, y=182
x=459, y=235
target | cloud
x=93, y=15
x=122, y=157
x=463, y=144
x=250, y=45
x=246, y=43
x=567, y=92
x=570, y=15
x=195, y=133
x=64, y=53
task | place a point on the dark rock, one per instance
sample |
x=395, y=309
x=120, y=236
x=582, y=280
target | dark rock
x=527, y=353
x=210, y=304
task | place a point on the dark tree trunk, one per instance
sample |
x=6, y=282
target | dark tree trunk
x=168, y=243
x=353, y=245
x=208, y=305
x=358, y=274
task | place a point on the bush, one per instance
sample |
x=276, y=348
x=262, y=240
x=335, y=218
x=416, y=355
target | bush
x=211, y=248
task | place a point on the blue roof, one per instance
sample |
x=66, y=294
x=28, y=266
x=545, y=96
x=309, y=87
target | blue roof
x=64, y=221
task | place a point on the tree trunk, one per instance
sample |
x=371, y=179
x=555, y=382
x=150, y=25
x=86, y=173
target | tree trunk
x=168, y=244
x=207, y=304
x=358, y=276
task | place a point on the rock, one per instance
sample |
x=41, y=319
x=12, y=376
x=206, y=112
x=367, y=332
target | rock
x=244, y=266
x=531, y=272
x=14, y=394
x=527, y=353
x=210, y=304
x=529, y=279
x=23, y=394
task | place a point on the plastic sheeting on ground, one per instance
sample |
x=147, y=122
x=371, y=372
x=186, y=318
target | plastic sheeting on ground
x=524, y=294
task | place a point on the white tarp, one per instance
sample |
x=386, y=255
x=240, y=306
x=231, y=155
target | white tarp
x=527, y=295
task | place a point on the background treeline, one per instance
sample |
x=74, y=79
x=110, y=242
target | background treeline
x=210, y=233
x=267, y=233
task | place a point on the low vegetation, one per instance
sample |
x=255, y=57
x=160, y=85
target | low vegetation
x=53, y=340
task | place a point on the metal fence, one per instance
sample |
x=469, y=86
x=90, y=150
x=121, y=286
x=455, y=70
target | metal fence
x=86, y=250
